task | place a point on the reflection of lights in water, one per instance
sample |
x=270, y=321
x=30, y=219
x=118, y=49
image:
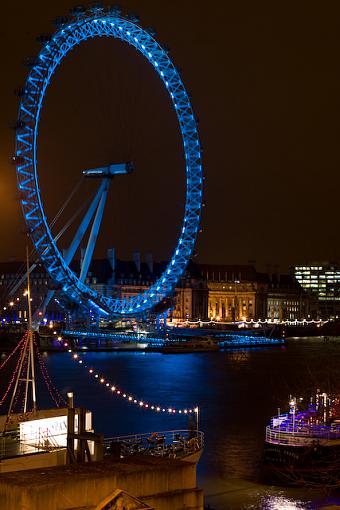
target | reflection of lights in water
x=238, y=356
x=281, y=503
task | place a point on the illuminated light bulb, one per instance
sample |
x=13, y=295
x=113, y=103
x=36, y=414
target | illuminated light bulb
x=135, y=401
x=80, y=361
x=180, y=412
x=152, y=407
x=174, y=410
x=124, y=395
x=75, y=356
x=96, y=376
x=102, y=380
x=141, y=404
x=118, y=391
x=169, y=410
x=91, y=371
x=65, y=344
x=69, y=350
x=113, y=388
x=130, y=398
x=163, y=410
x=190, y=410
x=158, y=409
x=107, y=384
x=196, y=410
x=146, y=405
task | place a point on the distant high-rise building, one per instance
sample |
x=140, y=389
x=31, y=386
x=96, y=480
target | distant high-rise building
x=322, y=280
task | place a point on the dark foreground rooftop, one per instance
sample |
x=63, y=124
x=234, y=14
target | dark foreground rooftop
x=101, y=469
x=152, y=481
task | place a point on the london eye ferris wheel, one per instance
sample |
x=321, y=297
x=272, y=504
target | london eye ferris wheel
x=90, y=24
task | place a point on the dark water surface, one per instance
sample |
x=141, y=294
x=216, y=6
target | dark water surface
x=237, y=391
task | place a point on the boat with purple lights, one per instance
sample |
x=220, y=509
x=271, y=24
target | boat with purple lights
x=303, y=445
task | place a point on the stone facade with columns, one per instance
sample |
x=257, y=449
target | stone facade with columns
x=229, y=301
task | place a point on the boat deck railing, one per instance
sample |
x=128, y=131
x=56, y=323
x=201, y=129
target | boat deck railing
x=295, y=433
x=170, y=443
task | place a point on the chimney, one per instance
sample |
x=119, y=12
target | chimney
x=149, y=261
x=111, y=257
x=136, y=259
x=270, y=272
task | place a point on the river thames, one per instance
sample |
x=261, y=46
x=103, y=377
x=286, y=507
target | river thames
x=237, y=391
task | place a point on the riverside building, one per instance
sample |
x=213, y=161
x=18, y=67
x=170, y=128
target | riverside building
x=221, y=293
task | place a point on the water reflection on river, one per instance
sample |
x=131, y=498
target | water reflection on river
x=237, y=390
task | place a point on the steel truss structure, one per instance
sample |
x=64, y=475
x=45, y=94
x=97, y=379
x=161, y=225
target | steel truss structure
x=89, y=25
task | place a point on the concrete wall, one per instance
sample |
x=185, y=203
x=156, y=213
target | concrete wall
x=41, y=460
x=167, y=485
x=189, y=499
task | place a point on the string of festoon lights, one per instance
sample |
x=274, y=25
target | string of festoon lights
x=20, y=344
x=99, y=378
x=16, y=369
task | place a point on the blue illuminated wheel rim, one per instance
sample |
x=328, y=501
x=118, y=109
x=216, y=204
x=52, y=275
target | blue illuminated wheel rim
x=91, y=25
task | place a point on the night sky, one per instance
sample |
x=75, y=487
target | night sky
x=264, y=78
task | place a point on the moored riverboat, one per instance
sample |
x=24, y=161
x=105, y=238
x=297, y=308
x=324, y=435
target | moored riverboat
x=197, y=344
x=302, y=447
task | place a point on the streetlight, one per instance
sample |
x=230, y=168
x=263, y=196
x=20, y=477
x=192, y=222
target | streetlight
x=235, y=299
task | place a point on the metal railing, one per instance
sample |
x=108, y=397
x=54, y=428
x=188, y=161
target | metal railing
x=300, y=434
x=297, y=423
x=170, y=443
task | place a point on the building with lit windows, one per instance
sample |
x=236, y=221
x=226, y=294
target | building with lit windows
x=287, y=300
x=13, y=284
x=222, y=293
x=323, y=281
x=240, y=293
x=233, y=292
